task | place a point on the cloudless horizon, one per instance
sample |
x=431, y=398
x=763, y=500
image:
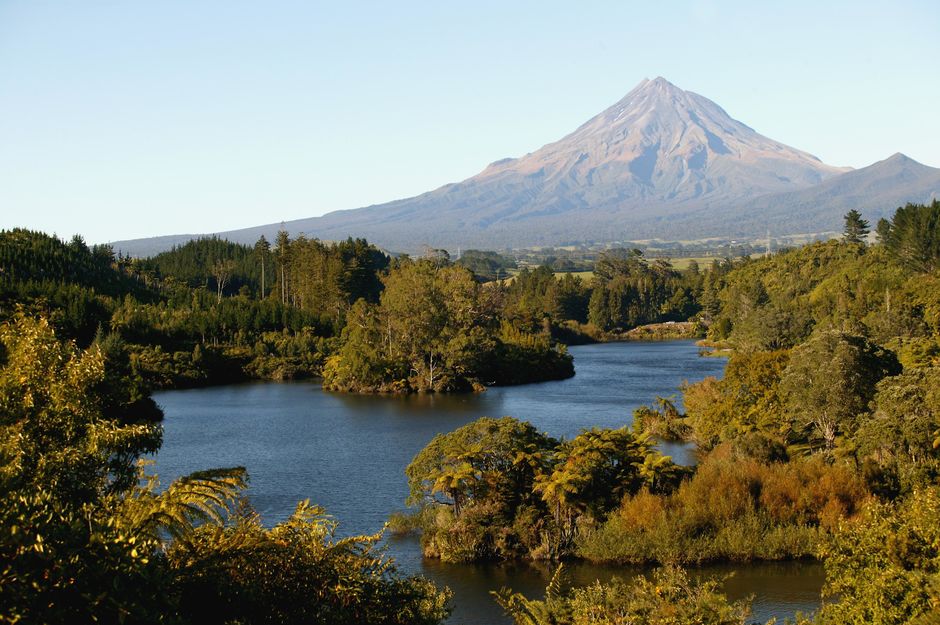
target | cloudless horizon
x=122, y=120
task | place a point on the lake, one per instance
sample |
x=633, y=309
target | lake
x=348, y=453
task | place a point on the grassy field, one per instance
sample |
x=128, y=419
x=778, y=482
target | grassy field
x=679, y=263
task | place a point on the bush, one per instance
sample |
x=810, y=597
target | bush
x=669, y=597
x=296, y=573
x=734, y=509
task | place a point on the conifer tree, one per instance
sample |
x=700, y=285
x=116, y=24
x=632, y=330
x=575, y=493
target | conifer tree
x=856, y=228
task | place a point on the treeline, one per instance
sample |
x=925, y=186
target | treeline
x=215, y=264
x=212, y=311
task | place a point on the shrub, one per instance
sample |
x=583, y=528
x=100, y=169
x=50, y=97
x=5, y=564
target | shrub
x=733, y=508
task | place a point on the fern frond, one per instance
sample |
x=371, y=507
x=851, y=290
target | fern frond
x=200, y=498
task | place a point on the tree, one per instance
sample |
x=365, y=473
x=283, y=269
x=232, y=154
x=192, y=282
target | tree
x=629, y=291
x=282, y=249
x=262, y=249
x=885, y=567
x=899, y=435
x=489, y=459
x=747, y=399
x=591, y=473
x=86, y=536
x=222, y=271
x=477, y=483
x=79, y=537
x=856, y=228
x=297, y=573
x=913, y=236
x=830, y=381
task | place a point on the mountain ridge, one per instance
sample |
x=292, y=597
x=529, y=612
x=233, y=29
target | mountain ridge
x=659, y=162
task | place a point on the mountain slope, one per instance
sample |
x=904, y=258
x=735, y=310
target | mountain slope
x=661, y=162
x=875, y=191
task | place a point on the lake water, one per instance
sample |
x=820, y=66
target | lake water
x=348, y=453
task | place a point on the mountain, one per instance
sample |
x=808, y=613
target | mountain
x=875, y=191
x=661, y=162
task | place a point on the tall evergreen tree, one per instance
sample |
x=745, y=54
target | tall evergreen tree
x=282, y=246
x=913, y=236
x=856, y=228
x=262, y=249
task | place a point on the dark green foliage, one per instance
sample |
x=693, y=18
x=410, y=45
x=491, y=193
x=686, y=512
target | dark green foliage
x=437, y=329
x=296, y=573
x=912, y=236
x=195, y=264
x=856, y=228
x=536, y=297
x=37, y=258
x=629, y=291
x=898, y=438
x=125, y=396
x=829, y=383
x=486, y=266
x=69, y=283
x=324, y=280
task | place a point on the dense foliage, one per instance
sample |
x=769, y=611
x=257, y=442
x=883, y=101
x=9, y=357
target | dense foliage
x=220, y=266
x=485, y=265
x=669, y=597
x=823, y=430
x=885, y=569
x=84, y=537
x=734, y=508
x=212, y=311
x=435, y=328
x=499, y=489
x=629, y=291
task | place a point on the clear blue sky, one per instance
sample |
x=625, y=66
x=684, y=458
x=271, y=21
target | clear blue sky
x=130, y=118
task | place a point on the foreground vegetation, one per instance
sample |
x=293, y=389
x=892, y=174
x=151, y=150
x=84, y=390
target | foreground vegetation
x=86, y=536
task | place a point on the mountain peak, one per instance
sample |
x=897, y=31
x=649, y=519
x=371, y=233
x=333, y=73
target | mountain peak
x=659, y=162
x=661, y=83
x=647, y=88
x=661, y=143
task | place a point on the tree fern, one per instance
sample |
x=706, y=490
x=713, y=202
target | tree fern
x=198, y=498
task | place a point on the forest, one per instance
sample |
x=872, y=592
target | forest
x=820, y=441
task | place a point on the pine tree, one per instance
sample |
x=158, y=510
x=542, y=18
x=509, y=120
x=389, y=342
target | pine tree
x=856, y=228
x=262, y=249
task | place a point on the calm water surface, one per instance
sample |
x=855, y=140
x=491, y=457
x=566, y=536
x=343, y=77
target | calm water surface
x=348, y=453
